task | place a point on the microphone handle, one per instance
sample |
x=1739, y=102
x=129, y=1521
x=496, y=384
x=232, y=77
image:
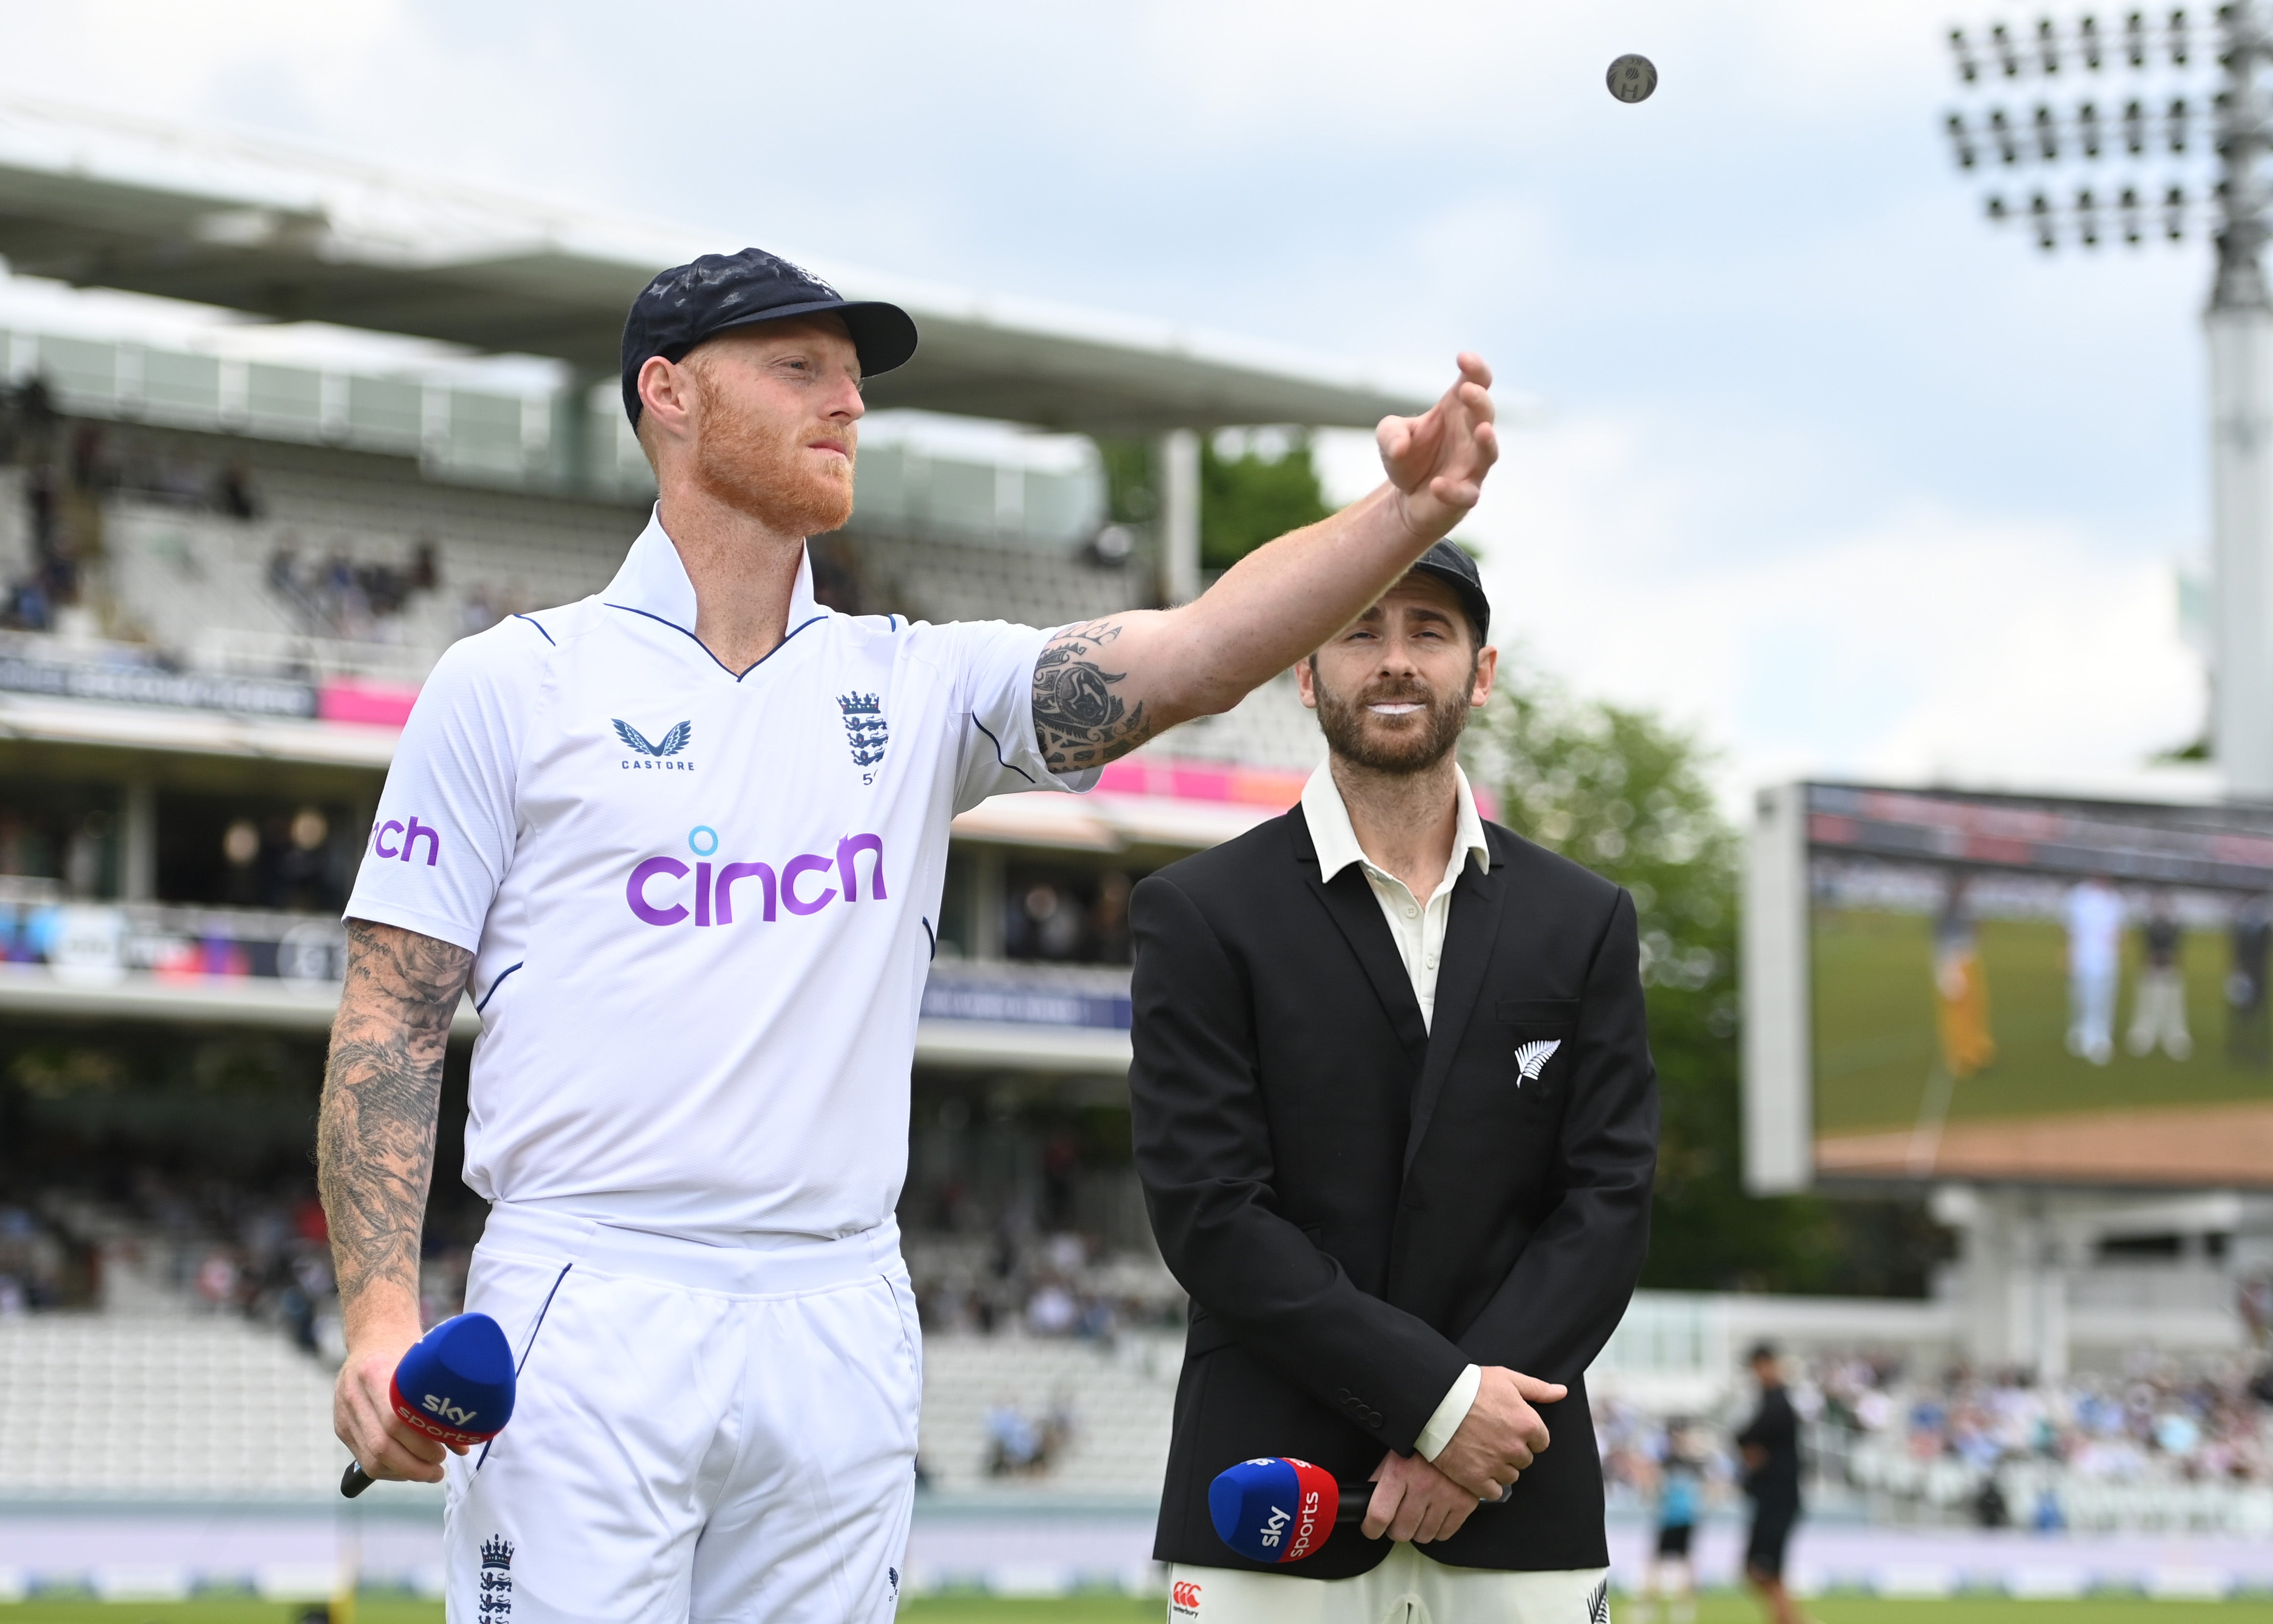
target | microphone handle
x=355, y=1480
x=1356, y=1497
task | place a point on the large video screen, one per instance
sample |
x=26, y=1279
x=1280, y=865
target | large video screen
x=2002, y=987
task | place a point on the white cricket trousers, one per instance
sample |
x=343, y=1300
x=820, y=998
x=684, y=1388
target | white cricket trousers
x=699, y=1433
x=1407, y=1588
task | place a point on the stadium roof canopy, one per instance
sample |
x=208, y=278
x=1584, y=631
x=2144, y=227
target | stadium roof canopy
x=99, y=201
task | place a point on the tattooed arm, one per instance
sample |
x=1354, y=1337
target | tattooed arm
x=1100, y=690
x=374, y=1164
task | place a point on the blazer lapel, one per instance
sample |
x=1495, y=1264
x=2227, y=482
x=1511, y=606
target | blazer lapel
x=1469, y=938
x=1351, y=902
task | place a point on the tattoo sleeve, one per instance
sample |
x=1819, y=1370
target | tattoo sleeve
x=382, y=1087
x=1080, y=721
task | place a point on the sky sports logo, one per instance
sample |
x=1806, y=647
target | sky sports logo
x=656, y=895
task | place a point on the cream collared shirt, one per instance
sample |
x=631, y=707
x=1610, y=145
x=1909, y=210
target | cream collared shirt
x=1417, y=926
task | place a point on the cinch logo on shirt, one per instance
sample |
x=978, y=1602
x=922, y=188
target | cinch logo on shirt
x=412, y=832
x=1185, y=1599
x=800, y=885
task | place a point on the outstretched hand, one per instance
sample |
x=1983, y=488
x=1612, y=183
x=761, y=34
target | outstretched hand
x=1437, y=461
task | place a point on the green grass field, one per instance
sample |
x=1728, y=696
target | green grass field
x=1715, y=1609
x=1876, y=1044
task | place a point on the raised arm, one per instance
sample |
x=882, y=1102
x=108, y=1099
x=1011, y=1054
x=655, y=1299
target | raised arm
x=1100, y=690
x=374, y=1165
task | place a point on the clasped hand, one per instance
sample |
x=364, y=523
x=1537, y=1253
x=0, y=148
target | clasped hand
x=1421, y=1500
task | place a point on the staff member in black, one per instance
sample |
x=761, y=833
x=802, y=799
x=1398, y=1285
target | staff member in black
x=1770, y=1445
x=1396, y=1119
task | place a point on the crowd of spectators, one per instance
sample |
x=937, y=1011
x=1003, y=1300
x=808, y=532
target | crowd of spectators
x=1055, y=1285
x=69, y=468
x=343, y=596
x=1996, y=1447
x=207, y=1245
x=1062, y=913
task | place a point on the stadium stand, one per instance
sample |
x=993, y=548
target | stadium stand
x=1084, y=1416
x=147, y=1407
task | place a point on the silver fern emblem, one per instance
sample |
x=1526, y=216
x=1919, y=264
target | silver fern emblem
x=1598, y=1604
x=1531, y=1058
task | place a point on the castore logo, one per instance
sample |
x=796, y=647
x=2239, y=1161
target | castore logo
x=651, y=753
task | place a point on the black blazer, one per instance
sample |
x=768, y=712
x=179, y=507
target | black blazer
x=1358, y=1206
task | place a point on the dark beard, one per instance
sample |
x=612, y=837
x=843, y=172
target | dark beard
x=759, y=470
x=1344, y=723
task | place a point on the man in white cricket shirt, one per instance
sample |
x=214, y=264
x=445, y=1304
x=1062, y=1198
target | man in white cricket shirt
x=683, y=842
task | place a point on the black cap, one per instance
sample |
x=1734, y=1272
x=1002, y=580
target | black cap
x=1449, y=564
x=691, y=302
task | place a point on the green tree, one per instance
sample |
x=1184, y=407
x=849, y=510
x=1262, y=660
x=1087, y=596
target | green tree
x=1269, y=487
x=1626, y=793
x=1254, y=497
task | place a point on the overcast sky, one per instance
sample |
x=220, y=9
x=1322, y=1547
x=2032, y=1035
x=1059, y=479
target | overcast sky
x=1829, y=467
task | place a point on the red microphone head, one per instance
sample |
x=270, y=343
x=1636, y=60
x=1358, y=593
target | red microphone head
x=1277, y=1509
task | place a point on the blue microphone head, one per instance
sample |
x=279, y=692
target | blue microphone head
x=1278, y=1509
x=456, y=1382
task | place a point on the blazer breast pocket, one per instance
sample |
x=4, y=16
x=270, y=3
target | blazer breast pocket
x=1536, y=1029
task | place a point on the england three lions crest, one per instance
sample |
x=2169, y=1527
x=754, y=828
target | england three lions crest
x=864, y=727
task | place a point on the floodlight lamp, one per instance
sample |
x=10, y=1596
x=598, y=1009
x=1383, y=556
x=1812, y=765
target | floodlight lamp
x=2178, y=115
x=2047, y=134
x=2135, y=39
x=2001, y=128
x=2179, y=37
x=2006, y=58
x=1962, y=141
x=1996, y=207
x=1967, y=68
x=2048, y=46
x=2087, y=127
x=2135, y=127
x=2088, y=35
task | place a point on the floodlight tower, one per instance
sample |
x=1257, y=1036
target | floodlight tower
x=2210, y=125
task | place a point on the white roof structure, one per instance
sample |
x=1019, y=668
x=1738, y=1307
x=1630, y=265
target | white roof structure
x=102, y=201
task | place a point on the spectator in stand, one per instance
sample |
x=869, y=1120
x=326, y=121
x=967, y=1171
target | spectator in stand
x=233, y=493
x=2158, y=1005
x=1770, y=1446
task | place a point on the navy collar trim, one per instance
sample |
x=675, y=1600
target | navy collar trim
x=705, y=647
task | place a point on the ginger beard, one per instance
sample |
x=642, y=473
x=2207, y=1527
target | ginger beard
x=766, y=467
x=1411, y=742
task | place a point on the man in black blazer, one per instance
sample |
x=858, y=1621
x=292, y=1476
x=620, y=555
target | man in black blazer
x=1396, y=1120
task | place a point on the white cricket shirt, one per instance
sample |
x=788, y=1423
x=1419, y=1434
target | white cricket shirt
x=701, y=904
x=1418, y=929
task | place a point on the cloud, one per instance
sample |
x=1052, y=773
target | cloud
x=1833, y=469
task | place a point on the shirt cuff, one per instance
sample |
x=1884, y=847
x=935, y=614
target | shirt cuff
x=1450, y=1414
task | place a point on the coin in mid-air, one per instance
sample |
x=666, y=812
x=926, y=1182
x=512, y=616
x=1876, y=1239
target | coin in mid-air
x=1632, y=78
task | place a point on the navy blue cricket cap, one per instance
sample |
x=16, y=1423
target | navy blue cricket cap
x=1448, y=563
x=719, y=292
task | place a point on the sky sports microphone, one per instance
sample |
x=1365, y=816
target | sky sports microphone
x=1280, y=1510
x=455, y=1385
